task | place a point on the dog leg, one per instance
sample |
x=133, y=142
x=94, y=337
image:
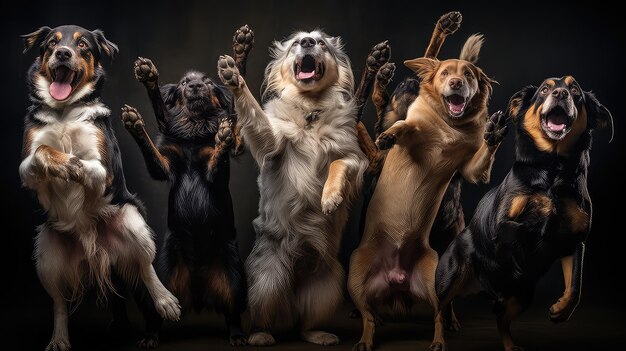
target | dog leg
x=332, y=195
x=387, y=139
x=380, y=97
x=317, y=298
x=224, y=140
x=158, y=163
x=137, y=255
x=58, y=271
x=360, y=265
x=572, y=267
x=479, y=167
x=243, y=41
x=446, y=25
x=378, y=56
x=147, y=73
x=255, y=124
x=270, y=287
x=509, y=309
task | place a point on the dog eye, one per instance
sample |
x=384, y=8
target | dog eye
x=444, y=72
x=574, y=90
x=544, y=90
x=52, y=44
x=183, y=83
x=321, y=42
x=81, y=44
x=468, y=74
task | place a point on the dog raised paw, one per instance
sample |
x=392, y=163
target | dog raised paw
x=131, y=118
x=145, y=71
x=385, y=141
x=385, y=74
x=243, y=40
x=224, y=133
x=378, y=56
x=228, y=72
x=450, y=22
x=496, y=129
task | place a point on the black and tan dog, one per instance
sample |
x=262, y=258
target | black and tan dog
x=540, y=213
x=200, y=259
x=95, y=227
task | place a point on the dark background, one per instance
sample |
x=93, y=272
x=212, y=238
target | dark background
x=525, y=43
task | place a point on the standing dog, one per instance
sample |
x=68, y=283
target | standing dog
x=445, y=131
x=72, y=161
x=200, y=260
x=304, y=141
x=540, y=213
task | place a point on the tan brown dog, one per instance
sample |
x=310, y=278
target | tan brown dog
x=446, y=131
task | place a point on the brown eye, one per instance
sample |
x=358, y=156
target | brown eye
x=544, y=90
x=574, y=90
x=468, y=74
x=321, y=42
x=444, y=72
x=81, y=44
x=52, y=44
x=183, y=83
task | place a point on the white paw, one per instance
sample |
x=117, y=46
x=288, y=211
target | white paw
x=58, y=344
x=167, y=306
x=331, y=201
x=261, y=339
x=321, y=338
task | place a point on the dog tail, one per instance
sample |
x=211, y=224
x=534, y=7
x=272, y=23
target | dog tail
x=471, y=48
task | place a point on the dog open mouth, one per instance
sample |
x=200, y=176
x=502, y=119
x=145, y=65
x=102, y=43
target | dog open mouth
x=456, y=105
x=64, y=81
x=556, y=123
x=307, y=69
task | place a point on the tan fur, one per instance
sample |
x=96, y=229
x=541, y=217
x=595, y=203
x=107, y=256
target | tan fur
x=567, y=265
x=219, y=286
x=369, y=149
x=472, y=48
x=179, y=283
x=430, y=147
x=517, y=206
x=532, y=126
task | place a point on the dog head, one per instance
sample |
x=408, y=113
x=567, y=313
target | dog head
x=310, y=63
x=68, y=66
x=197, y=94
x=557, y=112
x=456, y=88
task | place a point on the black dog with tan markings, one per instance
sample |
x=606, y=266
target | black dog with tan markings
x=540, y=213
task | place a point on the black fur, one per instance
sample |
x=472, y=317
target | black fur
x=508, y=255
x=201, y=236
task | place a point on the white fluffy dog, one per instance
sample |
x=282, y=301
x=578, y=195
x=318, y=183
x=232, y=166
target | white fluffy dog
x=304, y=141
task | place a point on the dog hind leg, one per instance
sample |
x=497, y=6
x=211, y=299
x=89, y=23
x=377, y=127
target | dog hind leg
x=359, y=269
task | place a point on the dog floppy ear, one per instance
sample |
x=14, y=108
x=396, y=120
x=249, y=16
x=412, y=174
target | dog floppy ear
x=169, y=92
x=484, y=81
x=104, y=45
x=600, y=116
x=35, y=38
x=520, y=100
x=424, y=67
x=224, y=98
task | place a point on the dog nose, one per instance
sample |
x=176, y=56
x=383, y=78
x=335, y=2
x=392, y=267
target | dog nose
x=307, y=42
x=455, y=83
x=560, y=93
x=63, y=54
x=195, y=84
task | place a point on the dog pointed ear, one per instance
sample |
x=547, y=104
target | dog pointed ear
x=104, y=45
x=35, y=38
x=422, y=66
x=600, y=116
x=520, y=100
x=169, y=94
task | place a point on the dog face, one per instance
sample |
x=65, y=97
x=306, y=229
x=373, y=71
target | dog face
x=456, y=88
x=69, y=58
x=197, y=94
x=557, y=112
x=310, y=62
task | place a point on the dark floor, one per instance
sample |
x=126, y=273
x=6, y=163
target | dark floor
x=591, y=328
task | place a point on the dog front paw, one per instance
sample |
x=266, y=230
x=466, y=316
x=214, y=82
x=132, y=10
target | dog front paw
x=132, y=119
x=224, y=133
x=385, y=141
x=450, y=22
x=496, y=129
x=167, y=306
x=59, y=344
x=378, y=56
x=243, y=41
x=228, y=72
x=562, y=309
x=331, y=199
x=146, y=72
x=385, y=74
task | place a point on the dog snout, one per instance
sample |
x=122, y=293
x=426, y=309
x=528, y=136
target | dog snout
x=63, y=54
x=195, y=84
x=307, y=42
x=456, y=83
x=560, y=93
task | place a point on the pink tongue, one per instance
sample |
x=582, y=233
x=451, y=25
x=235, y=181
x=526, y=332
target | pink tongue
x=556, y=123
x=60, y=90
x=306, y=75
x=456, y=108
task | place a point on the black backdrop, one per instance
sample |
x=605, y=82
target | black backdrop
x=525, y=43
